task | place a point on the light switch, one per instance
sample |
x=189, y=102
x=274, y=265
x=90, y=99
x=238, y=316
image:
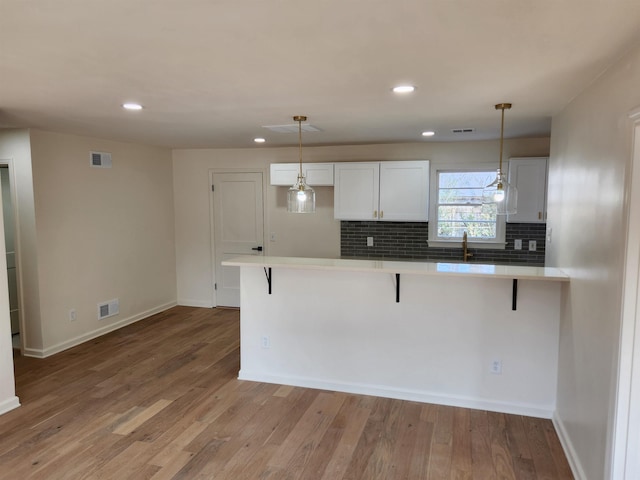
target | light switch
x=517, y=244
x=369, y=241
x=532, y=245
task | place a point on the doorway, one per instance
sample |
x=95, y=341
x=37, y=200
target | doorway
x=626, y=440
x=238, y=228
x=8, y=214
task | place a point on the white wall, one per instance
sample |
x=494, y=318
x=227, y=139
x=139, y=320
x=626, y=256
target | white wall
x=343, y=330
x=316, y=235
x=101, y=234
x=589, y=166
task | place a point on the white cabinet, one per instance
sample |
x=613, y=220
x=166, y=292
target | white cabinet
x=529, y=175
x=355, y=196
x=392, y=191
x=315, y=174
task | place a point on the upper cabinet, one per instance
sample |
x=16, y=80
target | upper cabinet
x=355, y=196
x=315, y=174
x=529, y=175
x=391, y=191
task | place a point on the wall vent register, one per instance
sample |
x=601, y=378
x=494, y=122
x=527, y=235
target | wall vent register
x=100, y=159
x=108, y=309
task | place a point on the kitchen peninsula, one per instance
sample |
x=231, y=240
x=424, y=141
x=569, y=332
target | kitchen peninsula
x=477, y=336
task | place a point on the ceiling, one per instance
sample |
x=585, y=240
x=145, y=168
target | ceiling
x=212, y=73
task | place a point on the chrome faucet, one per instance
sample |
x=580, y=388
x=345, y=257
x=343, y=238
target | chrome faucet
x=466, y=254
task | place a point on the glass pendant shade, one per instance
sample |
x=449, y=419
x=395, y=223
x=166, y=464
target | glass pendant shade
x=501, y=193
x=301, y=198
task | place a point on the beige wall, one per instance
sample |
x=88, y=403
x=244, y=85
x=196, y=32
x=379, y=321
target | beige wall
x=101, y=234
x=316, y=235
x=589, y=166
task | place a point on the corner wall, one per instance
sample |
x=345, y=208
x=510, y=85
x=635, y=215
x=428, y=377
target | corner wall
x=101, y=234
x=587, y=208
x=315, y=235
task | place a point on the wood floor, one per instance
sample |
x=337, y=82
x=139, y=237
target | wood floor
x=160, y=400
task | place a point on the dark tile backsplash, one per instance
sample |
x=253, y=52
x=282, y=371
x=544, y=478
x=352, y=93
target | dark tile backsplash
x=408, y=240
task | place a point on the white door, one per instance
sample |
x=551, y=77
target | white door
x=9, y=242
x=529, y=175
x=238, y=226
x=626, y=439
x=355, y=195
x=404, y=191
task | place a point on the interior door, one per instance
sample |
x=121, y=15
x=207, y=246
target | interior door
x=9, y=241
x=238, y=226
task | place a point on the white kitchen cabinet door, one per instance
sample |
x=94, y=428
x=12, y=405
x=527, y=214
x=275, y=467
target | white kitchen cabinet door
x=404, y=191
x=316, y=174
x=529, y=175
x=356, y=191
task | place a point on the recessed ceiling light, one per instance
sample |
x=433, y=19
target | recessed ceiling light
x=428, y=133
x=132, y=106
x=259, y=140
x=404, y=89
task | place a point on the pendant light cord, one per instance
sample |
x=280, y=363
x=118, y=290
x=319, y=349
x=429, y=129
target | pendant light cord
x=501, y=138
x=502, y=106
x=300, y=119
x=300, y=144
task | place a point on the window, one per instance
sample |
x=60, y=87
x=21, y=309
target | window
x=458, y=208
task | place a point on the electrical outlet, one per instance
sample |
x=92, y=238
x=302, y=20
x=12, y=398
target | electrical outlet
x=73, y=316
x=266, y=341
x=496, y=367
x=517, y=244
x=369, y=241
x=532, y=245
x=549, y=231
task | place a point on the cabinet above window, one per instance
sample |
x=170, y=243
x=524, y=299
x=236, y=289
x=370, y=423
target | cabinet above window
x=315, y=174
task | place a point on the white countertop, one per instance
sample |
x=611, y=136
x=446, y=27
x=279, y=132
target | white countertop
x=412, y=267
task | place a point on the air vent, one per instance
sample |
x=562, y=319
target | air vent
x=463, y=130
x=108, y=309
x=100, y=159
x=293, y=128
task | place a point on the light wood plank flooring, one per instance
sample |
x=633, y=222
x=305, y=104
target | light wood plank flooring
x=160, y=400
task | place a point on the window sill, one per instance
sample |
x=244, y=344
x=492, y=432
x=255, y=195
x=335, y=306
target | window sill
x=458, y=244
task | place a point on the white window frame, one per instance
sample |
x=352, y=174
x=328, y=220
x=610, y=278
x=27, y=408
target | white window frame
x=499, y=243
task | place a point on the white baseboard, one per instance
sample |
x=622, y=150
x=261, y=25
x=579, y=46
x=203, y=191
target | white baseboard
x=569, y=451
x=403, y=394
x=31, y=352
x=9, y=404
x=188, y=302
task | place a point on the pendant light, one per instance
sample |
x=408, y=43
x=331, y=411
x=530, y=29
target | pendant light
x=301, y=198
x=500, y=192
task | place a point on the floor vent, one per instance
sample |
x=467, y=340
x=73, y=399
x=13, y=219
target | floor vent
x=108, y=309
x=100, y=159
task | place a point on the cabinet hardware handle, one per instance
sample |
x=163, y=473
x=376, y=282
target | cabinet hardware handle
x=381, y=214
x=539, y=215
x=375, y=214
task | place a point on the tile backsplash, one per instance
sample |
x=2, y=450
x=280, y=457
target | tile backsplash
x=408, y=240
